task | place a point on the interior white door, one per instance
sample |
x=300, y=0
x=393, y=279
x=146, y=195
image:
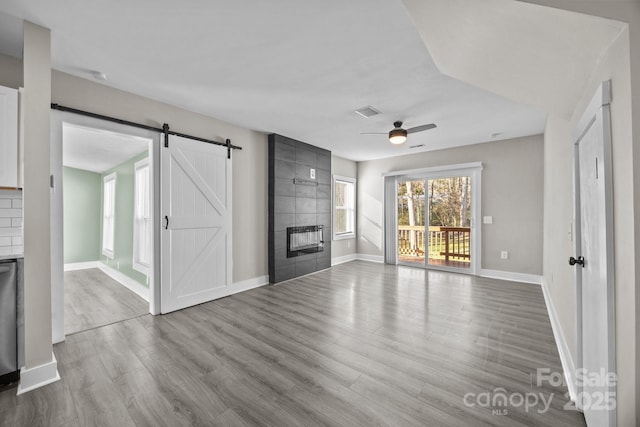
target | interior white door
x=596, y=395
x=196, y=225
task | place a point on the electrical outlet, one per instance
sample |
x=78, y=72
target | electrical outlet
x=487, y=220
x=348, y=243
x=504, y=255
x=312, y=173
x=118, y=265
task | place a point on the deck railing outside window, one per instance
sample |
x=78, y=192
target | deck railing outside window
x=444, y=243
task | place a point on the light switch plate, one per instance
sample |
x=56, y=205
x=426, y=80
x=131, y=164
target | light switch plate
x=312, y=173
x=487, y=220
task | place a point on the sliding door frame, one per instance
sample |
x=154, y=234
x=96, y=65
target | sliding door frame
x=473, y=170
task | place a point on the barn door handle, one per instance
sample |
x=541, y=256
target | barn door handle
x=166, y=224
x=574, y=261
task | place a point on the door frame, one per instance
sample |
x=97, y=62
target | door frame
x=58, y=118
x=473, y=170
x=601, y=99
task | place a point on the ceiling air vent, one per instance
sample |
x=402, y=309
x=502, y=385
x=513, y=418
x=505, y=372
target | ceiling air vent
x=416, y=146
x=367, y=111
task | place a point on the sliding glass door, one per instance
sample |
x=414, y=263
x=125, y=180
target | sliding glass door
x=449, y=213
x=411, y=222
x=434, y=218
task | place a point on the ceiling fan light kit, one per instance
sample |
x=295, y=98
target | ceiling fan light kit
x=397, y=136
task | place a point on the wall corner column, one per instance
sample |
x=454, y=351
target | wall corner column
x=40, y=364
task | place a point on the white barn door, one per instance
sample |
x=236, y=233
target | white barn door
x=196, y=262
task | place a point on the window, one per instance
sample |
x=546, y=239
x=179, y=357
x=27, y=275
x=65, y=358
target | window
x=108, y=214
x=142, y=248
x=344, y=208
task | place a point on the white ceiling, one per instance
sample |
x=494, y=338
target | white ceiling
x=536, y=55
x=301, y=68
x=98, y=150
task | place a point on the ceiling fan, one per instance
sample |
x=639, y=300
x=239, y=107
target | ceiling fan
x=398, y=135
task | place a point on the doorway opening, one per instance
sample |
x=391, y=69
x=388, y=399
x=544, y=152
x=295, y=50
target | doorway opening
x=107, y=191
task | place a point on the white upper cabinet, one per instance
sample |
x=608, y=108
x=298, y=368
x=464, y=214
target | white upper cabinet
x=8, y=137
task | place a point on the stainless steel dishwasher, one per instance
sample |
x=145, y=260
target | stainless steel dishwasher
x=8, y=322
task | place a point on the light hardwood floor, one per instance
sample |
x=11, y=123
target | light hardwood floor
x=93, y=299
x=360, y=344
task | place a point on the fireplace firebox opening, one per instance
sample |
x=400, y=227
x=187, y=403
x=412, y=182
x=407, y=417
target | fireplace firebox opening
x=305, y=240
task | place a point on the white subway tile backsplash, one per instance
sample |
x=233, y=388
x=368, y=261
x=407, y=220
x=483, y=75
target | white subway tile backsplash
x=10, y=213
x=10, y=231
x=11, y=240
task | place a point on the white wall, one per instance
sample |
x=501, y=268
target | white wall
x=621, y=64
x=349, y=169
x=559, y=215
x=511, y=193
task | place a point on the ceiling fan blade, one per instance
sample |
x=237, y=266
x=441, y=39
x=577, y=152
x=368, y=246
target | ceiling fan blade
x=421, y=128
x=373, y=133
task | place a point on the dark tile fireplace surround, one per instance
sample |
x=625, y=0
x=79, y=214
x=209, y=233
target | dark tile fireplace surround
x=299, y=208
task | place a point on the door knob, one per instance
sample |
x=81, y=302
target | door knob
x=574, y=261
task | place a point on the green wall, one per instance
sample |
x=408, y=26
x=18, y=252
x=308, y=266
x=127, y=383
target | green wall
x=82, y=215
x=123, y=238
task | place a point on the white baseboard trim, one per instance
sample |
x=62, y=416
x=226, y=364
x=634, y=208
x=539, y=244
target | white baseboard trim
x=81, y=265
x=509, y=275
x=343, y=259
x=126, y=281
x=568, y=366
x=245, y=285
x=371, y=258
x=39, y=376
